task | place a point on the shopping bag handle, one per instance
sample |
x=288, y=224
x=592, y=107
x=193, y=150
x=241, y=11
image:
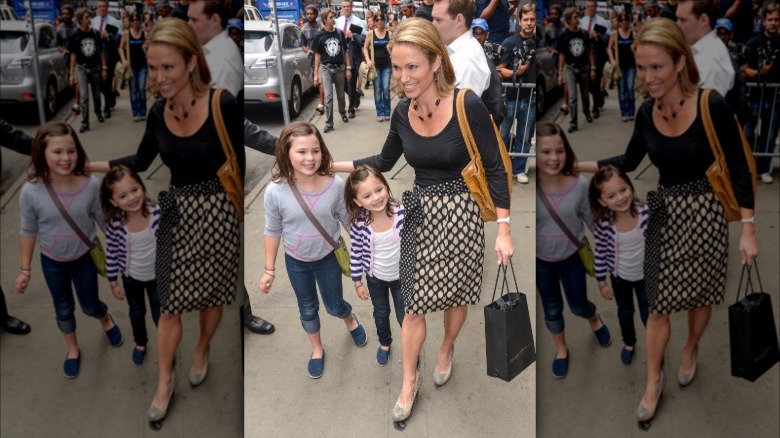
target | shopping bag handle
x=749, y=282
x=504, y=284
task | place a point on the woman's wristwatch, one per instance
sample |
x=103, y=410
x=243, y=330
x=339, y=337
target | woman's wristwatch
x=504, y=220
x=749, y=220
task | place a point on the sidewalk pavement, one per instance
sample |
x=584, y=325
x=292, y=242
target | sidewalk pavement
x=111, y=395
x=355, y=396
x=600, y=395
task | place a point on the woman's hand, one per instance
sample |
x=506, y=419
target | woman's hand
x=22, y=281
x=265, y=282
x=369, y=63
x=125, y=63
x=505, y=248
x=748, y=246
x=362, y=292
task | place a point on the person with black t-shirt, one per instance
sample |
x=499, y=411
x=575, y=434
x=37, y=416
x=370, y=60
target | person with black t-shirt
x=575, y=58
x=330, y=62
x=86, y=53
x=763, y=66
x=521, y=102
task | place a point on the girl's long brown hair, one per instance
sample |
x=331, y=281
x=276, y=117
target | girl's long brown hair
x=283, y=167
x=360, y=174
x=601, y=176
x=114, y=175
x=38, y=170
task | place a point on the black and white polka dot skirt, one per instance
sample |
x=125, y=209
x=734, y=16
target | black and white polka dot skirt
x=198, y=248
x=686, y=248
x=442, y=248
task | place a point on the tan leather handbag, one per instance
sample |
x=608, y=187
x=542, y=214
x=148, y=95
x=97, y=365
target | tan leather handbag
x=718, y=173
x=474, y=172
x=230, y=173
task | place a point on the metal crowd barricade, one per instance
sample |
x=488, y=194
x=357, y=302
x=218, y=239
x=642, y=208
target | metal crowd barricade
x=766, y=92
x=514, y=130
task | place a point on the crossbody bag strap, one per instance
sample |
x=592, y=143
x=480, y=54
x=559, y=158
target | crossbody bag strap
x=65, y=215
x=371, y=45
x=558, y=221
x=310, y=215
x=219, y=123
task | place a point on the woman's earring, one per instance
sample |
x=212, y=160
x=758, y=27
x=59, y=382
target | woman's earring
x=192, y=78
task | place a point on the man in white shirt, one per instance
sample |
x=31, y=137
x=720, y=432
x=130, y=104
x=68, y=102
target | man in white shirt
x=208, y=19
x=598, y=44
x=100, y=23
x=355, y=50
x=696, y=19
x=453, y=20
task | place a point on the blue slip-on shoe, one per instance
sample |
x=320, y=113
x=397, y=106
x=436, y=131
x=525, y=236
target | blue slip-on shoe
x=359, y=333
x=114, y=333
x=560, y=366
x=71, y=366
x=138, y=356
x=317, y=367
x=602, y=334
x=626, y=356
x=382, y=356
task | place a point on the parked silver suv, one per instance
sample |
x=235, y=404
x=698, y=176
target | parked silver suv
x=261, y=78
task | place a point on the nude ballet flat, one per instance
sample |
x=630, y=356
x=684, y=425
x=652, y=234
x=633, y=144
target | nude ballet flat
x=683, y=378
x=439, y=379
x=401, y=413
x=157, y=413
x=646, y=413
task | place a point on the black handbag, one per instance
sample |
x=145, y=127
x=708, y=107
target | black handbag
x=509, y=339
x=752, y=331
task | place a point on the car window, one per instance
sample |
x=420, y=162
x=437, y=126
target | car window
x=13, y=42
x=291, y=40
x=257, y=41
x=47, y=39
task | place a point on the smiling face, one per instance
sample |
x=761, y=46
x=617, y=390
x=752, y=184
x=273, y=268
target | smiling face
x=168, y=69
x=413, y=71
x=656, y=68
x=61, y=156
x=616, y=195
x=371, y=195
x=127, y=194
x=550, y=155
x=305, y=155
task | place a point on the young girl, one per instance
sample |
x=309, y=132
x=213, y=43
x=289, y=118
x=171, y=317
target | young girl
x=557, y=260
x=620, y=220
x=376, y=220
x=57, y=170
x=302, y=165
x=131, y=246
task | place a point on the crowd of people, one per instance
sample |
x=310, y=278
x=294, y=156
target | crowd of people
x=595, y=53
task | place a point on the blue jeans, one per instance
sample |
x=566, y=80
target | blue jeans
x=138, y=92
x=526, y=108
x=380, y=292
x=571, y=274
x=382, y=91
x=625, y=303
x=83, y=275
x=134, y=292
x=626, y=91
x=770, y=122
x=305, y=277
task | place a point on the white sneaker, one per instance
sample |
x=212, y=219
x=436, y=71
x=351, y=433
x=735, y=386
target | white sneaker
x=380, y=119
x=766, y=178
x=522, y=178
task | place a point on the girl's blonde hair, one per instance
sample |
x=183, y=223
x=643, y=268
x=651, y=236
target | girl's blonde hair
x=283, y=169
x=176, y=33
x=360, y=174
x=665, y=34
x=420, y=33
x=38, y=170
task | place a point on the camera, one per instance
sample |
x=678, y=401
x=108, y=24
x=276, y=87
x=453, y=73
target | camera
x=525, y=52
x=770, y=52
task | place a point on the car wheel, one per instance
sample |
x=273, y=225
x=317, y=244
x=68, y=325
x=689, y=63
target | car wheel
x=295, y=98
x=541, y=92
x=50, y=103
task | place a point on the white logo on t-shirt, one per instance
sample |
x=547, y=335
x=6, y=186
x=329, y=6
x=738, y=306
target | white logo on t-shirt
x=577, y=47
x=332, y=47
x=88, y=47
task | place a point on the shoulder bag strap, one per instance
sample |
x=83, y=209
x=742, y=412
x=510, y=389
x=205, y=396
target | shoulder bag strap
x=465, y=129
x=709, y=128
x=216, y=112
x=64, y=213
x=310, y=215
x=558, y=221
x=371, y=45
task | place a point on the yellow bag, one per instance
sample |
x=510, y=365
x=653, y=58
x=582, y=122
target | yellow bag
x=230, y=173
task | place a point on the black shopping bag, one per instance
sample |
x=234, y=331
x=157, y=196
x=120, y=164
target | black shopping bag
x=508, y=336
x=752, y=332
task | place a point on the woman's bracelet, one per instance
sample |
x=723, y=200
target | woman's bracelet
x=25, y=273
x=270, y=274
x=359, y=285
x=26, y=269
x=270, y=269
